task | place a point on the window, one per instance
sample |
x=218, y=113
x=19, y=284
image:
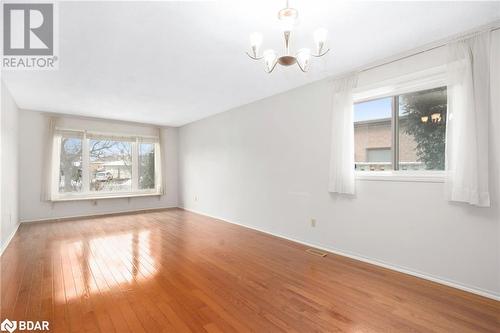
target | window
x=378, y=154
x=146, y=166
x=422, y=130
x=110, y=165
x=372, y=135
x=70, y=164
x=95, y=165
x=404, y=132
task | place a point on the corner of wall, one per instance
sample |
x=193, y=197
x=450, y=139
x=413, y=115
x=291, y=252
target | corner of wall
x=9, y=207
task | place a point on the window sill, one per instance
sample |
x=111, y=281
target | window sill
x=402, y=176
x=104, y=196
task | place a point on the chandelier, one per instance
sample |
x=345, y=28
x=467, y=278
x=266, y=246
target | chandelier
x=288, y=19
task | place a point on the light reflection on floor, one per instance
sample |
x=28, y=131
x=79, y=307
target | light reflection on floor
x=132, y=262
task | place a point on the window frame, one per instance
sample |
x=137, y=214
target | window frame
x=423, y=80
x=86, y=193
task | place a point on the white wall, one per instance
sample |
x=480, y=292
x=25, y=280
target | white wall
x=9, y=167
x=265, y=165
x=31, y=138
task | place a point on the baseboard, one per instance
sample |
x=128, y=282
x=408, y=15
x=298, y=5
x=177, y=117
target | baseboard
x=7, y=242
x=91, y=216
x=405, y=270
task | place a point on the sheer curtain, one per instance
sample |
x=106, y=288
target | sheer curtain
x=49, y=160
x=468, y=78
x=342, y=139
x=161, y=162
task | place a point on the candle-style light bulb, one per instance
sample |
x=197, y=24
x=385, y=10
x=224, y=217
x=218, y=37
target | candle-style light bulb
x=320, y=39
x=255, y=43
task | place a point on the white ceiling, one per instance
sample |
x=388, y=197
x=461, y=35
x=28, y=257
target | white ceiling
x=171, y=63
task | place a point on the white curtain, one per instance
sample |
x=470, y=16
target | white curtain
x=160, y=162
x=48, y=160
x=468, y=78
x=342, y=139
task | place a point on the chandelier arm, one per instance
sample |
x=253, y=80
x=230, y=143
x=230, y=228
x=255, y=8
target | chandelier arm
x=321, y=54
x=302, y=69
x=272, y=68
x=252, y=57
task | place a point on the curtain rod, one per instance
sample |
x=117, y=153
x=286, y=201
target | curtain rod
x=428, y=49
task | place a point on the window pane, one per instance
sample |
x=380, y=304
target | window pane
x=372, y=135
x=422, y=130
x=70, y=174
x=146, y=166
x=378, y=154
x=110, y=165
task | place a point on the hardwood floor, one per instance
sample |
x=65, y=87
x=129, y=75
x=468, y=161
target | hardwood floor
x=176, y=271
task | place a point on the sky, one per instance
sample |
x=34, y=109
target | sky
x=376, y=109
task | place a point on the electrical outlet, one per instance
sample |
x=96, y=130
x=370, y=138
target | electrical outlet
x=313, y=223
x=195, y=198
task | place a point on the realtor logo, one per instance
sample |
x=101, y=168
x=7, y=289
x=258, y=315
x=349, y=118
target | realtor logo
x=28, y=29
x=8, y=325
x=29, y=36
